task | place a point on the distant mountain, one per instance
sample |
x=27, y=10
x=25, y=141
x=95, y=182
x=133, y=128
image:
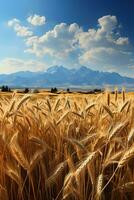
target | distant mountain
x=59, y=76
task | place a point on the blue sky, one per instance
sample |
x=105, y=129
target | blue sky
x=37, y=34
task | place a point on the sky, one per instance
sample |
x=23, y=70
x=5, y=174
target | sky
x=37, y=34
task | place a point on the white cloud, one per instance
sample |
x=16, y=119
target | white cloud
x=21, y=31
x=36, y=20
x=11, y=65
x=106, y=35
x=63, y=38
x=102, y=48
x=103, y=56
x=60, y=43
x=122, y=41
x=13, y=22
x=107, y=23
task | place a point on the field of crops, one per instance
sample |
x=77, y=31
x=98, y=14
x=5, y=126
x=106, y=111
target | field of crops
x=67, y=147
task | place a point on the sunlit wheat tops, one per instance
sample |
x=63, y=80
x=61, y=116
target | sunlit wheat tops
x=116, y=94
x=74, y=147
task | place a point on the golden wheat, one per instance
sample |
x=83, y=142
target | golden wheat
x=67, y=147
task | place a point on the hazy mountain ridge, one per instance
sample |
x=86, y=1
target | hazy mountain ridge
x=60, y=76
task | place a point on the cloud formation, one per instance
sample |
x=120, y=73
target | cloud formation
x=36, y=20
x=57, y=42
x=11, y=65
x=21, y=31
x=106, y=35
x=102, y=48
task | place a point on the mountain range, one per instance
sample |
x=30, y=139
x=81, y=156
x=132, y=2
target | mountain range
x=59, y=76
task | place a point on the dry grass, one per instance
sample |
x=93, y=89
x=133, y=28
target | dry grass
x=67, y=147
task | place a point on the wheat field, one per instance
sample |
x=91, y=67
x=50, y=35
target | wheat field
x=67, y=147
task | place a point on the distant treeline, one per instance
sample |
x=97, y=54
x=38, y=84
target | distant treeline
x=5, y=88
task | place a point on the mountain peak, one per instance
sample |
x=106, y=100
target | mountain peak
x=59, y=76
x=84, y=69
x=55, y=69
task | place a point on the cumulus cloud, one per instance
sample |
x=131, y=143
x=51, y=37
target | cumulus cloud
x=107, y=23
x=102, y=48
x=21, y=31
x=36, y=20
x=122, y=41
x=59, y=43
x=106, y=35
x=11, y=65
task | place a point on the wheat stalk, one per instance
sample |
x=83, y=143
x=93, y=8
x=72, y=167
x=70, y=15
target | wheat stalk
x=124, y=106
x=118, y=129
x=99, y=186
x=84, y=163
x=13, y=173
x=22, y=101
x=62, y=117
x=56, y=174
x=129, y=154
x=17, y=153
x=107, y=109
x=123, y=95
x=131, y=136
